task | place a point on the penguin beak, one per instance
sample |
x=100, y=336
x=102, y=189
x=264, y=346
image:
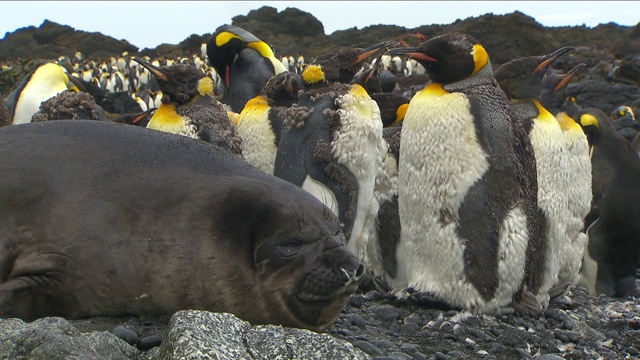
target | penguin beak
x=375, y=50
x=568, y=76
x=413, y=53
x=142, y=115
x=154, y=70
x=547, y=60
x=75, y=84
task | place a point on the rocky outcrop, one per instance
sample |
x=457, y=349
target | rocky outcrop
x=189, y=335
x=201, y=334
x=52, y=40
x=55, y=338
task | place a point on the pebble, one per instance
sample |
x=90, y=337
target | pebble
x=386, y=312
x=524, y=354
x=548, y=357
x=149, y=342
x=125, y=334
x=419, y=356
x=357, y=301
x=441, y=356
x=367, y=347
x=633, y=351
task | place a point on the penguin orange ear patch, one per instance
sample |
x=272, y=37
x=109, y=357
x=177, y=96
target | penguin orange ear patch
x=224, y=37
x=480, y=57
x=588, y=119
x=205, y=86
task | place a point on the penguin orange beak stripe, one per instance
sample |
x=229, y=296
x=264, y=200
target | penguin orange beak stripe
x=547, y=60
x=154, y=70
x=373, y=50
x=569, y=75
x=412, y=53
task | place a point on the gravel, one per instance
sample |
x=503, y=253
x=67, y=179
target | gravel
x=576, y=326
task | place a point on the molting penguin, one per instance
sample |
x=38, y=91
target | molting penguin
x=613, y=224
x=382, y=259
x=260, y=122
x=45, y=82
x=188, y=107
x=521, y=80
x=463, y=208
x=331, y=146
x=243, y=61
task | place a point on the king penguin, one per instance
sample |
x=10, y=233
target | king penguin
x=189, y=108
x=521, y=80
x=331, y=145
x=613, y=248
x=578, y=166
x=244, y=62
x=43, y=83
x=261, y=120
x=462, y=204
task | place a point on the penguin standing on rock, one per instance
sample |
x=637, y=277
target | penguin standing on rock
x=463, y=204
x=244, y=62
x=45, y=82
x=521, y=80
x=189, y=108
x=613, y=224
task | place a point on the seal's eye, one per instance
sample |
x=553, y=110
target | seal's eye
x=289, y=247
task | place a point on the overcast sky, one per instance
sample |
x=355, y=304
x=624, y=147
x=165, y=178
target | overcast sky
x=147, y=24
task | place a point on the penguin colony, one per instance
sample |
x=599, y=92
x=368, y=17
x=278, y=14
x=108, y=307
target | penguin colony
x=477, y=190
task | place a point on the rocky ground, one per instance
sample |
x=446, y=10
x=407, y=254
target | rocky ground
x=577, y=326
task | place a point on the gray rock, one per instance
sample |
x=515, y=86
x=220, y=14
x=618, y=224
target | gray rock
x=201, y=334
x=55, y=338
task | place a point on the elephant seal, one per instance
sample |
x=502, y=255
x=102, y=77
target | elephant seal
x=106, y=219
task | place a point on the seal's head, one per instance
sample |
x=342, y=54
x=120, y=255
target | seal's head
x=303, y=272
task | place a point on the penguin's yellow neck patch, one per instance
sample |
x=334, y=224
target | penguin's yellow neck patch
x=166, y=119
x=480, y=57
x=544, y=114
x=313, y=74
x=567, y=123
x=262, y=48
x=205, y=86
x=363, y=100
x=588, y=119
x=257, y=103
x=433, y=90
x=400, y=113
x=234, y=117
x=224, y=37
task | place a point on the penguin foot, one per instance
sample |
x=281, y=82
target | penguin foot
x=558, y=290
x=525, y=303
x=429, y=300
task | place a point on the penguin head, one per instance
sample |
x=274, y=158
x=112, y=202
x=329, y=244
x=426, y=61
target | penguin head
x=180, y=83
x=228, y=41
x=449, y=58
x=343, y=64
x=283, y=89
x=521, y=78
x=594, y=123
x=623, y=111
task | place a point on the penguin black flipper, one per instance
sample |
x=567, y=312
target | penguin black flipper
x=497, y=189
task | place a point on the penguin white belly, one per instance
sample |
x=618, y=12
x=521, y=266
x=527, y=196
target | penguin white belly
x=359, y=146
x=579, y=203
x=321, y=192
x=553, y=182
x=589, y=270
x=258, y=140
x=32, y=96
x=440, y=159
